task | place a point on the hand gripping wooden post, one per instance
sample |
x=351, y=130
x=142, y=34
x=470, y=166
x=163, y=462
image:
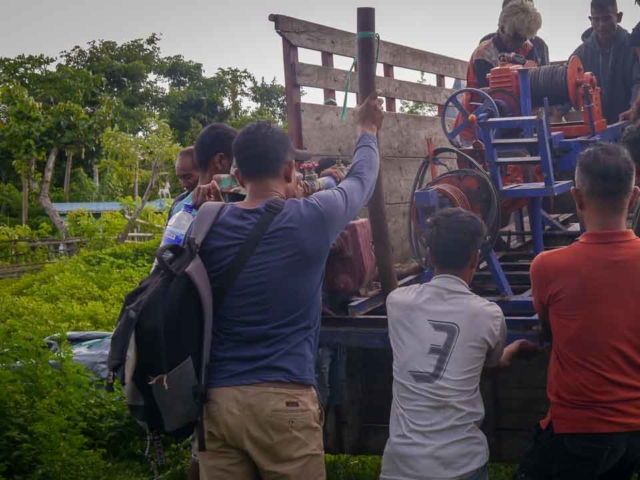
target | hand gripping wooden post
x=367, y=63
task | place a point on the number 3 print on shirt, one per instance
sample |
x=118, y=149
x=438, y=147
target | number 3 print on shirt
x=442, y=352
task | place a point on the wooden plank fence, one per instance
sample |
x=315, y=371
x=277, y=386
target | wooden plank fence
x=403, y=139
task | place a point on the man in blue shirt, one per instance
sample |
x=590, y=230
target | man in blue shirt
x=262, y=418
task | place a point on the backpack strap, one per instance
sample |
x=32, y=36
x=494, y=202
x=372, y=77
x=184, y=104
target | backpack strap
x=230, y=275
x=208, y=213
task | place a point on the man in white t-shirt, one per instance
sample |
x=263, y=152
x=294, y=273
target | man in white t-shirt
x=443, y=336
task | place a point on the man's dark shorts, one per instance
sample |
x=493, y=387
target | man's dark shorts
x=610, y=456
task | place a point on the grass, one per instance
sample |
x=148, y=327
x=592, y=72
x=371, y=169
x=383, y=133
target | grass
x=345, y=467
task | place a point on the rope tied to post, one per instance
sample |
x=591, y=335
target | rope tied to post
x=359, y=36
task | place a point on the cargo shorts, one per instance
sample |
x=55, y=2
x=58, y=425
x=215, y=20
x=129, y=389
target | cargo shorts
x=264, y=431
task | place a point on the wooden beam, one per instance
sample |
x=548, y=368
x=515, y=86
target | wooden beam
x=327, y=61
x=440, y=82
x=314, y=76
x=339, y=42
x=292, y=93
x=390, y=102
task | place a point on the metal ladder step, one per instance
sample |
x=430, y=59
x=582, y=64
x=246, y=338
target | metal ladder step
x=508, y=122
x=518, y=161
x=514, y=141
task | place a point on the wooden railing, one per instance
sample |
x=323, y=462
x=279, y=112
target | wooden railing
x=20, y=256
x=404, y=138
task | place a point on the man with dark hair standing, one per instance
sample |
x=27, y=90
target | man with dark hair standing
x=539, y=45
x=187, y=173
x=262, y=418
x=606, y=51
x=214, y=156
x=588, y=300
x=443, y=336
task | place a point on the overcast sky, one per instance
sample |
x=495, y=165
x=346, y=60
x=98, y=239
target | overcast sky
x=239, y=34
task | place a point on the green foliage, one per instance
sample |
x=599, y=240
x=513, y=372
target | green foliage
x=100, y=232
x=14, y=246
x=78, y=101
x=10, y=202
x=345, y=467
x=128, y=155
x=419, y=108
x=56, y=423
x=270, y=99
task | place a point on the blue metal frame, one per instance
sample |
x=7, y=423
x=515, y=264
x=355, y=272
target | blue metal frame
x=498, y=274
x=553, y=150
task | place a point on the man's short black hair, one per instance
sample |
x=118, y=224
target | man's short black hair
x=453, y=235
x=604, y=5
x=261, y=150
x=214, y=139
x=631, y=141
x=606, y=173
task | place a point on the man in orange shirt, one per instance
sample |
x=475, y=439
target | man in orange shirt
x=588, y=299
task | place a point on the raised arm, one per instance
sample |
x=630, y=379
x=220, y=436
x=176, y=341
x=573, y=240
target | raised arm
x=340, y=205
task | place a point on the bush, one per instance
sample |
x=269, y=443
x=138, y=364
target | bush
x=14, y=248
x=59, y=423
x=55, y=422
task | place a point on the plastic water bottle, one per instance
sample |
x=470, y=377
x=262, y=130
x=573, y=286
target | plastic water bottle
x=178, y=225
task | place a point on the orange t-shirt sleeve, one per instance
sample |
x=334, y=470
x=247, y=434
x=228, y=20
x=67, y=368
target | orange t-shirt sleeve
x=540, y=286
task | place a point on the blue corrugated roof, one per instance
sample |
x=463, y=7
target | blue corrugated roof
x=101, y=207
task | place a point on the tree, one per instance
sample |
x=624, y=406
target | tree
x=270, y=99
x=126, y=72
x=154, y=148
x=190, y=109
x=21, y=124
x=53, y=113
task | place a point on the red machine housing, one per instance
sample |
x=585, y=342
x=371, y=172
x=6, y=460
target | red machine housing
x=505, y=77
x=581, y=86
x=351, y=266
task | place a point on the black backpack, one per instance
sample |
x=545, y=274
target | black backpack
x=162, y=343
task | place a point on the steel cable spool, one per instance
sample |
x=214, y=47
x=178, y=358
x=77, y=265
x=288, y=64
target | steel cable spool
x=552, y=82
x=456, y=196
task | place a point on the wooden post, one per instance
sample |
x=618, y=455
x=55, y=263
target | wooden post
x=440, y=83
x=390, y=103
x=327, y=61
x=377, y=208
x=292, y=93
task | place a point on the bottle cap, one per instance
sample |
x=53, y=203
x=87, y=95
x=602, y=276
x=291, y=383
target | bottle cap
x=188, y=207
